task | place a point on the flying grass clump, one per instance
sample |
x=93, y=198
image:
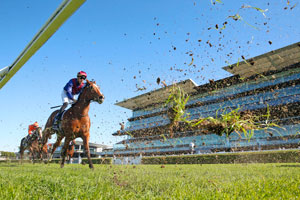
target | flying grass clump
x=176, y=102
x=234, y=121
x=226, y=122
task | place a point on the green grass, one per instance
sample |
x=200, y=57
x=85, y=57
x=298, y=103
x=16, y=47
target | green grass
x=222, y=181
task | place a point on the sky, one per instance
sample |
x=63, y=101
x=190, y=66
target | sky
x=125, y=45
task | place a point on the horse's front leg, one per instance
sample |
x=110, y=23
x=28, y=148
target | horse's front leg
x=44, y=152
x=86, y=139
x=64, y=152
x=40, y=153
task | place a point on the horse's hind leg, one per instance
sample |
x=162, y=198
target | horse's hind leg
x=68, y=159
x=64, y=152
x=32, y=156
x=57, y=143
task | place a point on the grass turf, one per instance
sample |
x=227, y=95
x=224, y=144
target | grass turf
x=219, y=181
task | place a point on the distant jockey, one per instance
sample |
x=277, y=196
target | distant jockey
x=73, y=87
x=31, y=129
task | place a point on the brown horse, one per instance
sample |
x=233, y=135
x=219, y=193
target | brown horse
x=76, y=122
x=33, y=145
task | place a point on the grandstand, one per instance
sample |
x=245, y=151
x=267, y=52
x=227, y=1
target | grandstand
x=269, y=80
x=95, y=150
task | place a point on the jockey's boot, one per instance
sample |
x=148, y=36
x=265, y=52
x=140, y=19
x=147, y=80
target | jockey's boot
x=57, y=117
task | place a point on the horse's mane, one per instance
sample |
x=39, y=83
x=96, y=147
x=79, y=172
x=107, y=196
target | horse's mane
x=80, y=95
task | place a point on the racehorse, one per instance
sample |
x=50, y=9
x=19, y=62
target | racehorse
x=32, y=144
x=75, y=122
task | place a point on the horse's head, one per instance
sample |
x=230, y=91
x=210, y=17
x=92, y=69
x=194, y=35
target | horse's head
x=94, y=92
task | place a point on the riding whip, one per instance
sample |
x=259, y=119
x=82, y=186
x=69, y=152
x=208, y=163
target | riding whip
x=55, y=107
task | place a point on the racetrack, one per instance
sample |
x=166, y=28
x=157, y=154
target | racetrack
x=221, y=181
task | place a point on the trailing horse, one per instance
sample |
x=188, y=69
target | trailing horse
x=75, y=122
x=33, y=144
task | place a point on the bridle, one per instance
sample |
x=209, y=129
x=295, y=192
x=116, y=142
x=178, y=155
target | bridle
x=97, y=98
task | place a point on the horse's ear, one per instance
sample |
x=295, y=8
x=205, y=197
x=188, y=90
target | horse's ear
x=88, y=82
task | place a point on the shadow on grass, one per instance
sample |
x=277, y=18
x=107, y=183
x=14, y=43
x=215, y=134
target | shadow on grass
x=9, y=165
x=293, y=165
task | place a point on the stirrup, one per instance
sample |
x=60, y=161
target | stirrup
x=56, y=119
x=55, y=124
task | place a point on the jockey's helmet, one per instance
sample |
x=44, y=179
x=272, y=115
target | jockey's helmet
x=36, y=124
x=82, y=73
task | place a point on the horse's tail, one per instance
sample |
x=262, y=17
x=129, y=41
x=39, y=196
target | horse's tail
x=22, y=148
x=22, y=145
x=51, y=119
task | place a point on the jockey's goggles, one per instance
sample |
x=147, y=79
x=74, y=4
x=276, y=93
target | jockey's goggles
x=82, y=77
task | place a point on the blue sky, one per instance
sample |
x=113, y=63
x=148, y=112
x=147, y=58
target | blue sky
x=122, y=44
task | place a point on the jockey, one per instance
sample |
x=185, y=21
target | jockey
x=31, y=129
x=73, y=87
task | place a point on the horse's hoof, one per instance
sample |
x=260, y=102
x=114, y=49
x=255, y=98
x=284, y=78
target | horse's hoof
x=91, y=167
x=61, y=166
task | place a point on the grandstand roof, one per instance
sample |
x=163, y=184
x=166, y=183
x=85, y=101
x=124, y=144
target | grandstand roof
x=273, y=60
x=156, y=96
